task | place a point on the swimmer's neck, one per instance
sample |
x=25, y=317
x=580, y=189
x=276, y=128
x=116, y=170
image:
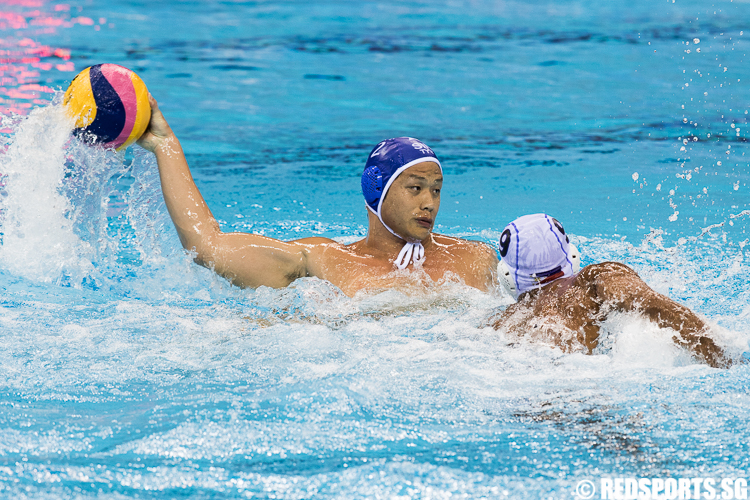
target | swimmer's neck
x=559, y=286
x=380, y=241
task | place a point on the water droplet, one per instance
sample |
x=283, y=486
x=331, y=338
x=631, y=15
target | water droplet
x=718, y=163
x=736, y=185
x=684, y=120
x=696, y=40
x=671, y=192
x=635, y=176
x=658, y=187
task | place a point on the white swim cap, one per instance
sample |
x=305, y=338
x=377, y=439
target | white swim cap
x=535, y=251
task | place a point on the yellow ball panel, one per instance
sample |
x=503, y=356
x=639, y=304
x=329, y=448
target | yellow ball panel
x=79, y=100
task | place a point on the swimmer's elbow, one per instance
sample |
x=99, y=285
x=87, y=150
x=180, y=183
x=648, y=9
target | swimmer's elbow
x=205, y=251
x=203, y=257
x=201, y=241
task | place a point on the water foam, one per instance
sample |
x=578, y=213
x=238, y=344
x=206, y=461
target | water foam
x=38, y=239
x=76, y=215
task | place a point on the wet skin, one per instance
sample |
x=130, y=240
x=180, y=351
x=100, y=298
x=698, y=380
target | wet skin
x=569, y=311
x=413, y=200
x=250, y=260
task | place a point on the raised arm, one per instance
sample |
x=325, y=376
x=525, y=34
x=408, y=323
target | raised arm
x=247, y=260
x=619, y=287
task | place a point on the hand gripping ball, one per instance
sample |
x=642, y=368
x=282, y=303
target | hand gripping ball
x=110, y=105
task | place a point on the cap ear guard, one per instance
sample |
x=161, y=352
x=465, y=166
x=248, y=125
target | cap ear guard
x=505, y=278
x=372, y=185
x=575, y=257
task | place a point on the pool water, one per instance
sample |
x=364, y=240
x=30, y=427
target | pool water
x=130, y=372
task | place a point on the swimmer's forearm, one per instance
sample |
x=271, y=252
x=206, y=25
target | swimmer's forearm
x=190, y=214
x=692, y=331
x=669, y=314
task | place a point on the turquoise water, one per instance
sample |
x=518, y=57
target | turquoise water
x=130, y=372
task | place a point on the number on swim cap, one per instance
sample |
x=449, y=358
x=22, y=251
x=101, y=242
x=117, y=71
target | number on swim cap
x=560, y=228
x=377, y=149
x=504, y=242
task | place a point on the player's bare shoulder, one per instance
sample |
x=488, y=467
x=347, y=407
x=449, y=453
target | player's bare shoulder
x=603, y=271
x=314, y=247
x=476, y=249
x=475, y=261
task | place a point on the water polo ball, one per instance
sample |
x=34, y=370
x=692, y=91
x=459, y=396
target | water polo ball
x=109, y=104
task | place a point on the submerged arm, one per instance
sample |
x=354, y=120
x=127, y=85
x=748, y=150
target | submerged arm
x=620, y=287
x=245, y=259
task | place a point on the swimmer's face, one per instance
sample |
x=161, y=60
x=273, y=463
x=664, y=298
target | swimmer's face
x=413, y=200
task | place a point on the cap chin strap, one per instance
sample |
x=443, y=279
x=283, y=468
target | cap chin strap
x=411, y=251
x=415, y=250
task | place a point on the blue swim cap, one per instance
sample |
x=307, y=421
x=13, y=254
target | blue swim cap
x=387, y=161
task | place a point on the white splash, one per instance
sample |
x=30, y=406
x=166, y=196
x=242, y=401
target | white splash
x=38, y=240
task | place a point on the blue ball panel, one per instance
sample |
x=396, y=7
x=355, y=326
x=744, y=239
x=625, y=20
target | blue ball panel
x=110, y=112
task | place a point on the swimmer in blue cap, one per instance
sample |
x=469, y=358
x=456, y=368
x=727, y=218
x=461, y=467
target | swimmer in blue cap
x=386, y=162
x=401, y=183
x=561, y=304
